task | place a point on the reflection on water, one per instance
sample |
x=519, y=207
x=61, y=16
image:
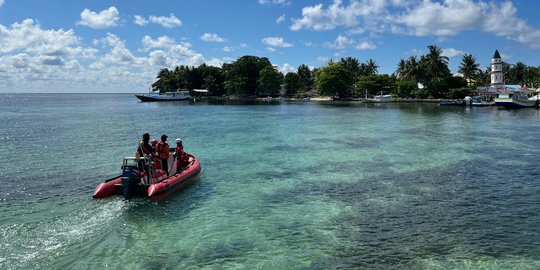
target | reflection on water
x=284, y=185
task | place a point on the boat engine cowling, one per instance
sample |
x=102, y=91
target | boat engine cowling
x=130, y=180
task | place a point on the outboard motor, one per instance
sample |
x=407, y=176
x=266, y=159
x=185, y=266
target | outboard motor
x=130, y=179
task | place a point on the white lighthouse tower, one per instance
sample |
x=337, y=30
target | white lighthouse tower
x=497, y=79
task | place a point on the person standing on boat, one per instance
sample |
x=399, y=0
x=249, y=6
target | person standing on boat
x=144, y=149
x=181, y=156
x=162, y=149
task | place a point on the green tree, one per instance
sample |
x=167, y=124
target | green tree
x=242, y=75
x=440, y=87
x=484, y=78
x=270, y=80
x=518, y=71
x=469, y=68
x=292, y=83
x=405, y=88
x=370, y=67
x=352, y=65
x=235, y=86
x=334, y=80
x=413, y=71
x=401, y=69
x=163, y=83
x=435, y=64
x=306, y=78
x=374, y=83
x=213, y=79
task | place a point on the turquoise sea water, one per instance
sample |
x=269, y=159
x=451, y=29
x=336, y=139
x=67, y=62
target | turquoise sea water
x=302, y=185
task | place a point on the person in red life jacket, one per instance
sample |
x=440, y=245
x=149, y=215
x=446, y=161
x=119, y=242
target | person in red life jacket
x=155, y=159
x=181, y=156
x=144, y=149
x=162, y=149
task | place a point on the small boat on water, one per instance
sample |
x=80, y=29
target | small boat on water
x=142, y=177
x=380, y=99
x=515, y=98
x=452, y=103
x=165, y=96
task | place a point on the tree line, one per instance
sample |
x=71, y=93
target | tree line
x=344, y=78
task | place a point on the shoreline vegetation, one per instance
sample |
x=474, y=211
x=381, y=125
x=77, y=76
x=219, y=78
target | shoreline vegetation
x=321, y=99
x=425, y=78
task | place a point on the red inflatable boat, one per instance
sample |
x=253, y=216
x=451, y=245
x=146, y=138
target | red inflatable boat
x=142, y=176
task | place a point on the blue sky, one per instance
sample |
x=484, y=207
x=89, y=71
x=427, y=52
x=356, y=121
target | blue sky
x=119, y=46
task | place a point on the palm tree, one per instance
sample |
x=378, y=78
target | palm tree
x=352, y=65
x=469, y=68
x=484, y=77
x=370, y=67
x=400, y=70
x=414, y=71
x=164, y=80
x=519, y=70
x=435, y=64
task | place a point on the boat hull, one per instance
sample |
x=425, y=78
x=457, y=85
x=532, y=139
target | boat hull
x=162, y=190
x=514, y=103
x=156, y=192
x=144, y=98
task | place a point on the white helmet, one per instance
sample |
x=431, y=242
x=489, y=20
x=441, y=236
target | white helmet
x=178, y=140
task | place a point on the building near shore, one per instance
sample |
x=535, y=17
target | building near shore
x=497, y=77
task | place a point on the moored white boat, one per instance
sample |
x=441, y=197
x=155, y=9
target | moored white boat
x=380, y=99
x=514, y=98
x=166, y=96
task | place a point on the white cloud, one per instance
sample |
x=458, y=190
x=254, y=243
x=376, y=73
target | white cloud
x=276, y=42
x=451, y=52
x=243, y=45
x=280, y=19
x=28, y=36
x=227, y=49
x=271, y=49
x=343, y=42
x=439, y=18
x=366, y=45
x=442, y=19
x=340, y=43
x=503, y=21
x=215, y=62
x=140, y=20
x=159, y=58
x=104, y=19
x=162, y=42
x=212, y=37
x=1, y=3
x=286, y=68
x=49, y=60
x=323, y=59
x=118, y=54
x=274, y=2
x=319, y=19
x=168, y=22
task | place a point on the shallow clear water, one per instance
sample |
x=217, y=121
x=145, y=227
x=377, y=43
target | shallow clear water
x=302, y=185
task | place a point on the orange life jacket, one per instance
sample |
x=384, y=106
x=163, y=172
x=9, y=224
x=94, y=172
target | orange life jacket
x=144, y=148
x=162, y=149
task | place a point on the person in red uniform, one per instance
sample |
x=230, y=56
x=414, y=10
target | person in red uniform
x=162, y=150
x=181, y=156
